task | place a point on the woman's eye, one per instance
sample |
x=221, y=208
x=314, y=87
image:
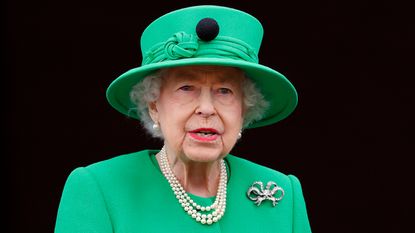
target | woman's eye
x=224, y=91
x=186, y=88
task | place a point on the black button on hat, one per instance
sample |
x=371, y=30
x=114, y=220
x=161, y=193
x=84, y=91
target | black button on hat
x=207, y=29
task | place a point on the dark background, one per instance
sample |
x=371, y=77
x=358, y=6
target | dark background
x=350, y=140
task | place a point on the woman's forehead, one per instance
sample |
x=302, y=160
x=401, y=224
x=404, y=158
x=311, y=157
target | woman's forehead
x=219, y=73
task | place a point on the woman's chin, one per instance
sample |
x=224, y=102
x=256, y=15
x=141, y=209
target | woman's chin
x=203, y=154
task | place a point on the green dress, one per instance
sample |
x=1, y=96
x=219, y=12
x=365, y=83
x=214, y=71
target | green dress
x=129, y=194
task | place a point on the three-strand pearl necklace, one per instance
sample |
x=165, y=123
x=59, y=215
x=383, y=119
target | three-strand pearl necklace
x=202, y=214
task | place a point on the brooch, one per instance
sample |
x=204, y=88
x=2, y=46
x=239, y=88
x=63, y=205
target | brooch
x=258, y=194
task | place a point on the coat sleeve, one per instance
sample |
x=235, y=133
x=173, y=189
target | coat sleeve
x=300, y=218
x=82, y=207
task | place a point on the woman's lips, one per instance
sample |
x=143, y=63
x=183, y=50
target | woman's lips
x=204, y=134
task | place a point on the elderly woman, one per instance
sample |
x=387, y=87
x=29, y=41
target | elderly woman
x=199, y=86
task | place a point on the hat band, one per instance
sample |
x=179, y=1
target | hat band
x=183, y=45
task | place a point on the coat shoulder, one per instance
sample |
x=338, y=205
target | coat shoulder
x=257, y=172
x=122, y=161
x=135, y=165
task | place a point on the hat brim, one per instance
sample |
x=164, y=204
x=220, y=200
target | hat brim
x=276, y=89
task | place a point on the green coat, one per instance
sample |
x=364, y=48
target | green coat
x=129, y=194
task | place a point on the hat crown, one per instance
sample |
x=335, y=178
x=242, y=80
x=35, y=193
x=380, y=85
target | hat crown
x=233, y=24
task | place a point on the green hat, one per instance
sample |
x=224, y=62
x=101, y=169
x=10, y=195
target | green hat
x=207, y=35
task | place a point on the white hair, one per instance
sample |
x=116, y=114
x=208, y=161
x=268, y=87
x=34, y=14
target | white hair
x=148, y=90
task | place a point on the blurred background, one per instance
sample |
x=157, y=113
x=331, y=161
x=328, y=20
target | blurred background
x=350, y=140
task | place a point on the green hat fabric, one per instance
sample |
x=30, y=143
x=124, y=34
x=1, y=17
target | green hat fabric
x=207, y=35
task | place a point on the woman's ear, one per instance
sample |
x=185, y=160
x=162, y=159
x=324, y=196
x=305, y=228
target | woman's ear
x=152, y=110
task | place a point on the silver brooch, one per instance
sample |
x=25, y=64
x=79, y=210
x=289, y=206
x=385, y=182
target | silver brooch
x=258, y=194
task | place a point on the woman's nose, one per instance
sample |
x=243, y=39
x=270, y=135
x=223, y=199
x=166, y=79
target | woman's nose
x=205, y=105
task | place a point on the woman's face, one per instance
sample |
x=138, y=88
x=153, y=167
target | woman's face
x=200, y=111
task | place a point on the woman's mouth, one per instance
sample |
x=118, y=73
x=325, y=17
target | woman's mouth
x=204, y=134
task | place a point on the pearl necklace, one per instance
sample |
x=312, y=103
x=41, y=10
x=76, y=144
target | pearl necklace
x=202, y=214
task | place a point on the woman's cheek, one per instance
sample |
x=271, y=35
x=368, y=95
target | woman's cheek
x=184, y=97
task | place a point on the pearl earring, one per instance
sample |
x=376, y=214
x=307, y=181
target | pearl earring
x=156, y=126
x=240, y=134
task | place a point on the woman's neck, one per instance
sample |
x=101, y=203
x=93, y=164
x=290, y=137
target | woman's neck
x=198, y=178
